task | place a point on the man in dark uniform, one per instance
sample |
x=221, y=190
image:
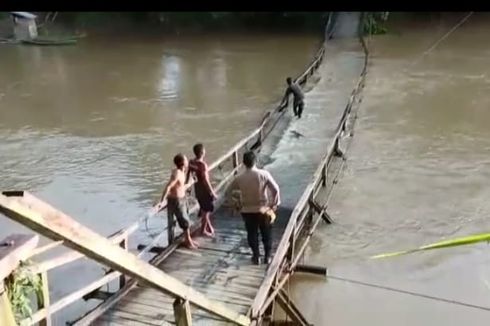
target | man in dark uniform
x=298, y=101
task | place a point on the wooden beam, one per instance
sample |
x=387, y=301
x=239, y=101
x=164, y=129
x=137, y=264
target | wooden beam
x=98, y=294
x=14, y=249
x=154, y=250
x=234, y=158
x=69, y=299
x=71, y=256
x=317, y=270
x=92, y=315
x=42, y=249
x=182, y=312
x=324, y=175
x=322, y=211
x=6, y=314
x=59, y=226
x=290, y=309
x=43, y=299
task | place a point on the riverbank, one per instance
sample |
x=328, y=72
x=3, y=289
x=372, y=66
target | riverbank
x=114, y=23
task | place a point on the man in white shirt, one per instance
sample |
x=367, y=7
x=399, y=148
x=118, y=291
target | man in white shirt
x=257, y=208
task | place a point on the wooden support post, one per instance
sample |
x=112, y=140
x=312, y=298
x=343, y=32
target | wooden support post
x=290, y=252
x=317, y=270
x=290, y=308
x=321, y=210
x=337, y=151
x=54, y=224
x=324, y=176
x=170, y=229
x=235, y=161
x=309, y=219
x=122, y=278
x=13, y=249
x=154, y=250
x=43, y=299
x=182, y=312
x=98, y=295
x=6, y=314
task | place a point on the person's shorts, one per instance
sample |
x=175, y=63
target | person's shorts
x=299, y=104
x=206, y=204
x=177, y=207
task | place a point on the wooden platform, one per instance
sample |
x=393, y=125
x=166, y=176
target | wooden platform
x=221, y=269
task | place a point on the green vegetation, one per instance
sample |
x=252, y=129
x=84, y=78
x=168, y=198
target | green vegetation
x=208, y=20
x=21, y=285
x=374, y=23
x=183, y=21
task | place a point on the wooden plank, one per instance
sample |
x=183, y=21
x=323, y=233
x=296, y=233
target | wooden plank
x=163, y=312
x=217, y=296
x=182, y=312
x=43, y=299
x=165, y=309
x=69, y=299
x=72, y=256
x=42, y=249
x=133, y=319
x=147, y=304
x=59, y=226
x=92, y=315
x=110, y=322
x=6, y=313
x=291, y=310
x=13, y=250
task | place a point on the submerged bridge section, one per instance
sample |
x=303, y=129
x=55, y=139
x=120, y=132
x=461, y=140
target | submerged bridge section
x=216, y=284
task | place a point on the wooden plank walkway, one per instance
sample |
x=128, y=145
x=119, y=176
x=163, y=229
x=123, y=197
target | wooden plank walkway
x=221, y=269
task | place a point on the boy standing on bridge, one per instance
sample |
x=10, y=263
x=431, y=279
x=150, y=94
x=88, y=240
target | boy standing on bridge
x=256, y=207
x=298, y=102
x=204, y=191
x=174, y=192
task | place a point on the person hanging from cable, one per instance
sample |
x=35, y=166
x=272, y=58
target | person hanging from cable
x=298, y=101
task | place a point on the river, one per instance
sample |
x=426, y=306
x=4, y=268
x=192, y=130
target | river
x=93, y=128
x=417, y=172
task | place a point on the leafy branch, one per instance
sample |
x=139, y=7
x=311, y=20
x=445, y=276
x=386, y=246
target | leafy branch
x=21, y=285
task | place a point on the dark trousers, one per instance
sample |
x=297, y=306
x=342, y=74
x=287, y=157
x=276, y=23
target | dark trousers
x=298, y=108
x=254, y=222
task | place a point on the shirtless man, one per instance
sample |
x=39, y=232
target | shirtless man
x=174, y=192
x=204, y=191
